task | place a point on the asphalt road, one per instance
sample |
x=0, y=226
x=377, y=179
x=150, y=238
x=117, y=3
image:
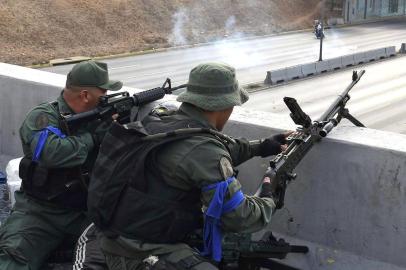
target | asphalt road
x=251, y=57
x=378, y=100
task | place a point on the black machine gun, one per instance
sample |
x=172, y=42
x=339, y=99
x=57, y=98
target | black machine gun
x=308, y=132
x=120, y=103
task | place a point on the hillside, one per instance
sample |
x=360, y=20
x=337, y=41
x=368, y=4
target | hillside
x=33, y=32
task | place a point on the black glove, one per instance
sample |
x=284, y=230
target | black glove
x=281, y=138
x=268, y=189
x=270, y=146
x=100, y=131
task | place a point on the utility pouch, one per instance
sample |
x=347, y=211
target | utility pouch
x=39, y=176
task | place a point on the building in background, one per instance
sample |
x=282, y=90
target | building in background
x=348, y=11
x=359, y=10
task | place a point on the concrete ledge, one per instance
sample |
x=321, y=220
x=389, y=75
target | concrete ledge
x=349, y=199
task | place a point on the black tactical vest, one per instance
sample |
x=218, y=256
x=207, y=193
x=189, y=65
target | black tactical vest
x=65, y=187
x=120, y=198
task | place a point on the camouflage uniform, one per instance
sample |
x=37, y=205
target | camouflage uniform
x=37, y=226
x=195, y=163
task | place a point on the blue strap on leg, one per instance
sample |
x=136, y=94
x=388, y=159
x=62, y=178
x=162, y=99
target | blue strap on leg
x=212, y=234
x=43, y=136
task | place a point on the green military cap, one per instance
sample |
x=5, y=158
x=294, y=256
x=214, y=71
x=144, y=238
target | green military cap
x=92, y=73
x=213, y=87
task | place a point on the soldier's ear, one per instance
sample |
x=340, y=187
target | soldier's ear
x=84, y=96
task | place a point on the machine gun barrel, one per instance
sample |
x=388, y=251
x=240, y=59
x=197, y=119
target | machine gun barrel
x=342, y=99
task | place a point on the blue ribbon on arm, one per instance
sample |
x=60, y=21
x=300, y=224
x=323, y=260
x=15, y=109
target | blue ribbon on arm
x=212, y=234
x=43, y=136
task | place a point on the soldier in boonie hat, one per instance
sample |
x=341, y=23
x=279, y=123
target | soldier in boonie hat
x=213, y=87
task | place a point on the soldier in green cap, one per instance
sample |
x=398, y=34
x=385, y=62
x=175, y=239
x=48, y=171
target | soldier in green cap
x=183, y=181
x=51, y=204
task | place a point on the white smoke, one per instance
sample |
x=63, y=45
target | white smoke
x=230, y=25
x=177, y=37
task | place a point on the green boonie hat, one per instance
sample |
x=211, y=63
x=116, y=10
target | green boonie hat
x=213, y=87
x=92, y=73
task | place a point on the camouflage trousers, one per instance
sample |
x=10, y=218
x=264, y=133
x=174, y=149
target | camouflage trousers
x=34, y=230
x=169, y=262
x=126, y=254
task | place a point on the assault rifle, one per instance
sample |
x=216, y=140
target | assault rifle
x=306, y=135
x=240, y=252
x=120, y=103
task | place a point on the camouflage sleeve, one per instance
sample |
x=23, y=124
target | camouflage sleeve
x=240, y=151
x=57, y=152
x=210, y=163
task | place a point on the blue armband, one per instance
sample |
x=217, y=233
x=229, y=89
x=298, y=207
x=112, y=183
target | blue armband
x=43, y=136
x=212, y=234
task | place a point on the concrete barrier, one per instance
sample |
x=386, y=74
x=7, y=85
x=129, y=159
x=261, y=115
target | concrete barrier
x=293, y=73
x=360, y=58
x=323, y=66
x=348, y=202
x=380, y=53
x=347, y=60
x=347, y=205
x=403, y=48
x=390, y=51
x=276, y=76
x=309, y=69
x=335, y=63
x=371, y=55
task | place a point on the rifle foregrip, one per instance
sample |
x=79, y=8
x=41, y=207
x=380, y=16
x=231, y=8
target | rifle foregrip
x=148, y=96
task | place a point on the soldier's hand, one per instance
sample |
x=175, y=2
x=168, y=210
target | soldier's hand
x=274, y=145
x=269, y=185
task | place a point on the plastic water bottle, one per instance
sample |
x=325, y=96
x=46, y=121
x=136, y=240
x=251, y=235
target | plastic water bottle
x=5, y=205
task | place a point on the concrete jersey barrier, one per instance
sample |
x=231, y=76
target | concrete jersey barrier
x=295, y=72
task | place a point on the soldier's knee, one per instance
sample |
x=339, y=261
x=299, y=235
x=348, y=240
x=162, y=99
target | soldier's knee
x=189, y=263
x=11, y=259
